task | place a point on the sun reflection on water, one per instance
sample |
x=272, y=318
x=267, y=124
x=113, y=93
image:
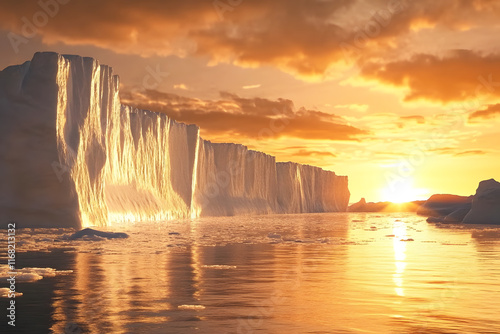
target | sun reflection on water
x=399, y=231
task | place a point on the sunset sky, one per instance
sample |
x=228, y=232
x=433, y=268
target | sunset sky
x=401, y=96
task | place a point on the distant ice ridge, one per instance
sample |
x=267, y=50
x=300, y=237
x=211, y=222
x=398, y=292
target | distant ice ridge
x=73, y=156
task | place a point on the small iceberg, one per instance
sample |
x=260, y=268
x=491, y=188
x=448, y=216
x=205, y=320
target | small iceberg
x=94, y=233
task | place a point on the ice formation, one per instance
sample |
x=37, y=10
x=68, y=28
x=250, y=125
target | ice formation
x=482, y=208
x=486, y=204
x=73, y=156
x=441, y=205
x=91, y=233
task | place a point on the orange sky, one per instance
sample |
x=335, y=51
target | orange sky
x=402, y=96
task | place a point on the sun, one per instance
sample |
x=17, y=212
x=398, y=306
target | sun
x=402, y=191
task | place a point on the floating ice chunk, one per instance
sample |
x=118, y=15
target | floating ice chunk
x=95, y=233
x=5, y=293
x=30, y=274
x=191, y=307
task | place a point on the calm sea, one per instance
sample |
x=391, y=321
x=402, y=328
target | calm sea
x=309, y=273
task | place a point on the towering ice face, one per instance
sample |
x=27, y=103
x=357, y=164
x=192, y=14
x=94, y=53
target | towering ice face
x=303, y=188
x=150, y=167
x=231, y=180
x=35, y=188
x=73, y=156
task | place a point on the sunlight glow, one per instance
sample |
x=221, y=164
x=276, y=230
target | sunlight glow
x=402, y=191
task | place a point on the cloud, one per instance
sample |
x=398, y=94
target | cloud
x=417, y=118
x=308, y=153
x=181, y=87
x=456, y=152
x=491, y=111
x=471, y=152
x=234, y=116
x=305, y=37
x=392, y=154
x=354, y=106
x=295, y=35
x=443, y=150
x=251, y=86
x=458, y=76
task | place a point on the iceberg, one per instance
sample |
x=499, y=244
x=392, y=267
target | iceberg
x=73, y=156
x=88, y=232
x=441, y=205
x=486, y=204
x=483, y=208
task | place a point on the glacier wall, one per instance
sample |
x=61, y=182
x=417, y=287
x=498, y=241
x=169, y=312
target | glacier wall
x=232, y=180
x=73, y=156
x=305, y=188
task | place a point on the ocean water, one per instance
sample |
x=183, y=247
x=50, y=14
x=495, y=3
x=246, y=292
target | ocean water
x=309, y=273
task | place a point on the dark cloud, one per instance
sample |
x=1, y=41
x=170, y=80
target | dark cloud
x=255, y=118
x=491, y=111
x=460, y=75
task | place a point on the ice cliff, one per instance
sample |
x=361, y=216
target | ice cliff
x=72, y=156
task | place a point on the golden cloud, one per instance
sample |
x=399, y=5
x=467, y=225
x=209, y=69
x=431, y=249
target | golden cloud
x=306, y=37
x=256, y=118
x=491, y=111
x=459, y=76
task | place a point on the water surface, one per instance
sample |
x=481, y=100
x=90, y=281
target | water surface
x=308, y=273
